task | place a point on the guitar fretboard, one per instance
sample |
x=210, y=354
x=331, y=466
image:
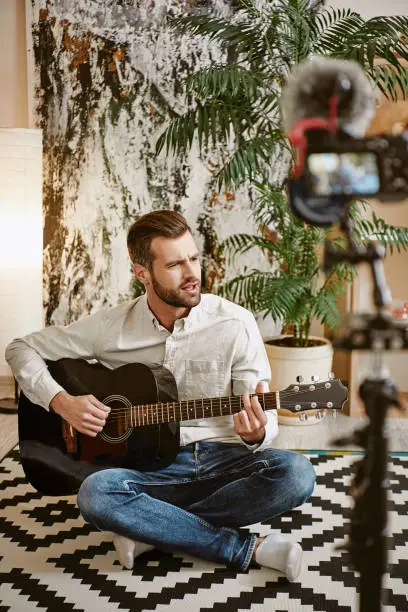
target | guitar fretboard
x=153, y=414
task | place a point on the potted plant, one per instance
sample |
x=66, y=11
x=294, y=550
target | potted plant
x=236, y=105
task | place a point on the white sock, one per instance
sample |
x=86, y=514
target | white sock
x=276, y=553
x=128, y=549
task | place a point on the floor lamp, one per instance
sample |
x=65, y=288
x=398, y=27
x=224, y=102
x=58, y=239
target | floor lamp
x=21, y=238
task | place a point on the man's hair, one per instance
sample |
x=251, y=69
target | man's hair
x=166, y=223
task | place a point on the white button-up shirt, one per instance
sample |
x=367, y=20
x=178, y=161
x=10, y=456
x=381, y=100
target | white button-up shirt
x=215, y=351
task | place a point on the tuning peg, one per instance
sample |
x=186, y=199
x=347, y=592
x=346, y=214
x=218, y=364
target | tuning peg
x=315, y=378
x=330, y=376
x=303, y=416
x=299, y=378
x=318, y=415
x=334, y=413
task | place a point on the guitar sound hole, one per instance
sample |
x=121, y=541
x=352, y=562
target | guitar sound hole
x=111, y=427
x=117, y=427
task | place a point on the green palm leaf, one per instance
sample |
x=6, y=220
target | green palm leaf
x=250, y=159
x=243, y=37
x=243, y=243
x=211, y=27
x=281, y=295
x=217, y=80
x=333, y=27
x=390, y=81
x=260, y=291
x=325, y=308
x=212, y=119
x=389, y=236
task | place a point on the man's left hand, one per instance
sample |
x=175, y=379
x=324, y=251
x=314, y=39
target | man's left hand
x=250, y=422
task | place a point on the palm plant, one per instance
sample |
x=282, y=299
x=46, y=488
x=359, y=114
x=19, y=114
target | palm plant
x=236, y=105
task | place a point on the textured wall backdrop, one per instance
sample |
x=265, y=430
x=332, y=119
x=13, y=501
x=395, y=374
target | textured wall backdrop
x=107, y=76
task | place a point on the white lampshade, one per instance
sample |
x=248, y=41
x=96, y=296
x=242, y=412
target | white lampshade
x=21, y=235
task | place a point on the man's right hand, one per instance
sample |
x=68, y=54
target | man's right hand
x=85, y=413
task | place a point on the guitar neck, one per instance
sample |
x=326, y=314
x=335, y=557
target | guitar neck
x=187, y=410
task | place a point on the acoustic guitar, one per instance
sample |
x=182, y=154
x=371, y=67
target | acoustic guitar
x=142, y=429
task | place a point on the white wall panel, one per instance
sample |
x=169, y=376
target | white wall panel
x=21, y=235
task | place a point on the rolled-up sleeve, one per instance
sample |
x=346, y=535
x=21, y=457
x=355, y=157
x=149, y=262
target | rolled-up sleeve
x=249, y=367
x=26, y=356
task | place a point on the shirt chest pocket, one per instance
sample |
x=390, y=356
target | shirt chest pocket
x=204, y=378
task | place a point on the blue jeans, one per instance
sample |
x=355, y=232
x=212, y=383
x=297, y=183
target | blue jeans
x=197, y=504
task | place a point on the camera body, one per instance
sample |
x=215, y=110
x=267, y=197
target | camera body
x=338, y=165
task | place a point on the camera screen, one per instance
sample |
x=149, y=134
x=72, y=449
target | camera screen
x=343, y=173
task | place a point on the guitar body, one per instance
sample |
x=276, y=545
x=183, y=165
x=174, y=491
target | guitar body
x=54, y=467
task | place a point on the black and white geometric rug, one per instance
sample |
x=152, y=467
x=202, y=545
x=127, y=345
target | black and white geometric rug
x=50, y=560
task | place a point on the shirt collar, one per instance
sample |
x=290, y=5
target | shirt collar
x=192, y=316
x=185, y=322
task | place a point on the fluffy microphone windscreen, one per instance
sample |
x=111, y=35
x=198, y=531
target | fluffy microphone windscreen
x=313, y=82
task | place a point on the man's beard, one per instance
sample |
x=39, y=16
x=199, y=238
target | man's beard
x=176, y=297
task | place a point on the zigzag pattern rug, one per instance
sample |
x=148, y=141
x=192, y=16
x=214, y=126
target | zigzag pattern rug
x=50, y=560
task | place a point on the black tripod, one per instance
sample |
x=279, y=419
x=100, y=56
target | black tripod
x=376, y=332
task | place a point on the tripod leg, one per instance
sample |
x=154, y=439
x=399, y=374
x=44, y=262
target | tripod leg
x=368, y=535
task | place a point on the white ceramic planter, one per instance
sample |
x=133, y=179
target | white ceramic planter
x=287, y=363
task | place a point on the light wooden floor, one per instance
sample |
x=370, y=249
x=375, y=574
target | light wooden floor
x=8, y=434
x=8, y=422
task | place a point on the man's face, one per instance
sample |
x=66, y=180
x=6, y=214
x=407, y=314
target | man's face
x=175, y=276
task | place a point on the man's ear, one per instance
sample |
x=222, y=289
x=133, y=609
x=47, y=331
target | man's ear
x=141, y=273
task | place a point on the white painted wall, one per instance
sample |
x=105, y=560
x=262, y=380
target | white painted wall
x=13, y=114
x=372, y=8
x=20, y=235
x=13, y=65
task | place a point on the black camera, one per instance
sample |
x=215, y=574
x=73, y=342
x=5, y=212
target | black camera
x=337, y=168
x=366, y=167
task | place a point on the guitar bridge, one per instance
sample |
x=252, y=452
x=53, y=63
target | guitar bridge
x=70, y=437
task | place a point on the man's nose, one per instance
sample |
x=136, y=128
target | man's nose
x=191, y=268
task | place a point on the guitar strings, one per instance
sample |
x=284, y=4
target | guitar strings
x=233, y=399
x=152, y=419
x=163, y=405
x=200, y=406
x=146, y=410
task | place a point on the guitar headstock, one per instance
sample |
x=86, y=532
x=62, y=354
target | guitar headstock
x=317, y=395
